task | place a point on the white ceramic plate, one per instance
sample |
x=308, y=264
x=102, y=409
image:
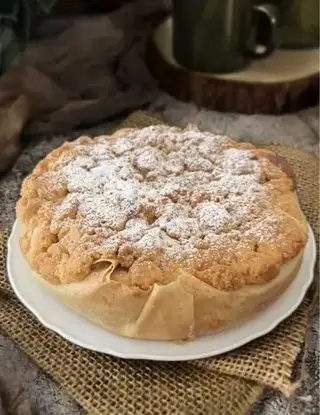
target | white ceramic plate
x=57, y=317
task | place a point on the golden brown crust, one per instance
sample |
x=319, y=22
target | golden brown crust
x=130, y=213
x=282, y=163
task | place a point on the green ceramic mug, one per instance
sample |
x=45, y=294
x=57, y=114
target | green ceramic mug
x=222, y=36
x=298, y=23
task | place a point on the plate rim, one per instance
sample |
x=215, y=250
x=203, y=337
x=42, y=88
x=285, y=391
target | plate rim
x=155, y=357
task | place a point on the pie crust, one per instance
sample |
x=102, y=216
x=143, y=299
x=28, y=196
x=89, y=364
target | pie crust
x=163, y=233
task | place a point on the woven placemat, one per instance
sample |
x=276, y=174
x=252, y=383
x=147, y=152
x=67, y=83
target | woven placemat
x=227, y=384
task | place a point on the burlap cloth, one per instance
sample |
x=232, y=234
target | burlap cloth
x=228, y=384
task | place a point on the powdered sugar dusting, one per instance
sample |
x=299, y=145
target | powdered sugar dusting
x=158, y=189
x=213, y=216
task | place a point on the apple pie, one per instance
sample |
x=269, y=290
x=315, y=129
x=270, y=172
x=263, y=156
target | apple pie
x=163, y=233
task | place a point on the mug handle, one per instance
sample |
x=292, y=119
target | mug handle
x=262, y=39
